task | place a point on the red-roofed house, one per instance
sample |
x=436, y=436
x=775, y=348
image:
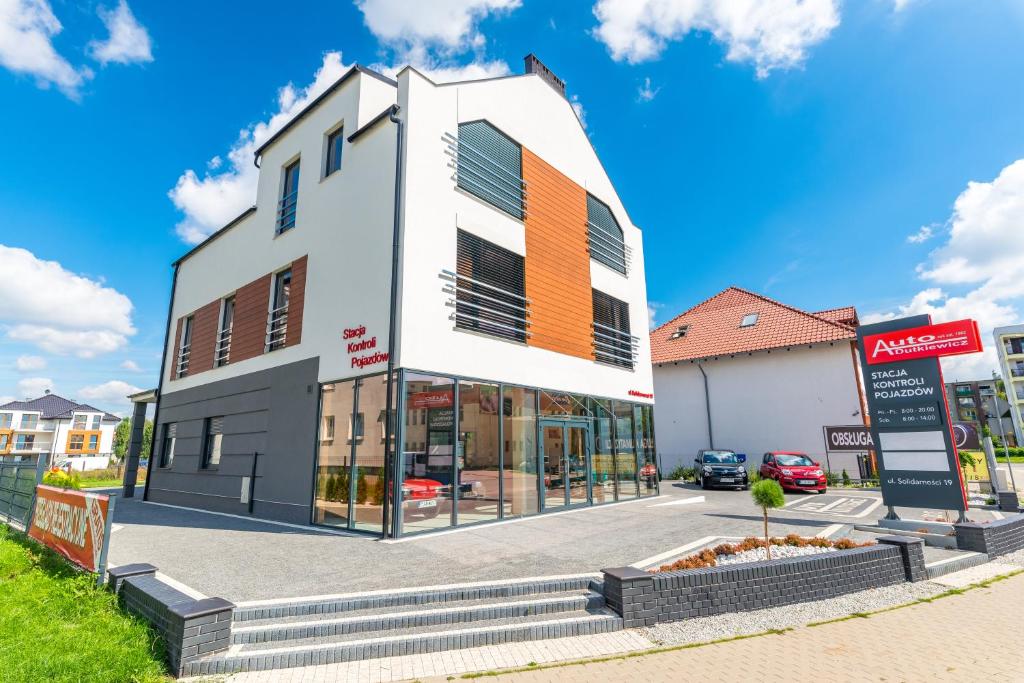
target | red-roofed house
x=744, y=372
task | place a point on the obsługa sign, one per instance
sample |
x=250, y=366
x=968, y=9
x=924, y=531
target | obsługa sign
x=851, y=438
x=76, y=524
x=926, y=341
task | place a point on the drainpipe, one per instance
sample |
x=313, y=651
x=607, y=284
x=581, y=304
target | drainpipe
x=707, y=406
x=395, y=244
x=159, y=386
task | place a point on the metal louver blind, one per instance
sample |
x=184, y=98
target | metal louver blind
x=171, y=430
x=490, y=289
x=216, y=425
x=612, y=341
x=605, y=236
x=490, y=166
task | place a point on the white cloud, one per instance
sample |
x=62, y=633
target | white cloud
x=30, y=363
x=59, y=311
x=652, y=313
x=900, y=5
x=646, y=92
x=131, y=366
x=446, y=25
x=983, y=260
x=924, y=233
x=128, y=41
x=34, y=387
x=109, y=394
x=27, y=29
x=577, y=107
x=772, y=34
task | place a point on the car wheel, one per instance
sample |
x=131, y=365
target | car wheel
x=823, y=491
x=430, y=513
x=704, y=484
x=746, y=487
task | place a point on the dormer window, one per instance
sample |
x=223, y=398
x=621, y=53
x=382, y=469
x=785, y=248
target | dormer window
x=749, y=320
x=680, y=332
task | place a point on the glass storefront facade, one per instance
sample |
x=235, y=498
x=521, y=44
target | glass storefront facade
x=474, y=452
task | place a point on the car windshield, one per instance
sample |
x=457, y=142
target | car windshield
x=794, y=460
x=726, y=457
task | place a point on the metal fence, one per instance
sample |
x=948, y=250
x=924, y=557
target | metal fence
x=18, y=489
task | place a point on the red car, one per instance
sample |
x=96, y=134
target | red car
x=794, y=471
x=420, y=496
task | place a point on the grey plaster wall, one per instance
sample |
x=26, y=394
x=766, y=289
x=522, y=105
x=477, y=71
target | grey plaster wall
x=273, y=413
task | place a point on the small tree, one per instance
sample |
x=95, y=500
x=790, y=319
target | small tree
x=846, y=479
x=767, y=494
x=361, y=489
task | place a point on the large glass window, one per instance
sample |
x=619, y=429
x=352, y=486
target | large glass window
x=625, y=450
x=79, y=421
x=644, y=416
x=428, y=453
x=489, y=289
x=478, y=458
x=333, y=476
x=5, y=420
x=29, y=420
x=490, y=166
x=603, y=457
x=519, y=418
x=370, y=488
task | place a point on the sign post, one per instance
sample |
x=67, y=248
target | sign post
x=75, y=524
x=910, y=425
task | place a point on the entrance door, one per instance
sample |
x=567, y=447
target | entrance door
x=564, y=461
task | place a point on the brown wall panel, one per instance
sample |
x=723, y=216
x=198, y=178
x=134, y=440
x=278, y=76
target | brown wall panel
x=296, y=302
x=172, y=373
x=204, y=337
x=249, y=331
x=557, y=261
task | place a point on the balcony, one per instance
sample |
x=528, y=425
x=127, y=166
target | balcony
x=486, y=308
x=286, y=209
x=277, y=328
x=222, y=353
x=480, y=175
x=614, y=347
x=183, y=355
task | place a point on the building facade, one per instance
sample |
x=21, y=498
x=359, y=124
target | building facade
x=520, y=364
x=979, y=403
x=742, y=372
x=1010, y=349
x=63, y=431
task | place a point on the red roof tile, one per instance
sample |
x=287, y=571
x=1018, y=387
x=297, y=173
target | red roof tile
x=846, y=315
x=714, y=327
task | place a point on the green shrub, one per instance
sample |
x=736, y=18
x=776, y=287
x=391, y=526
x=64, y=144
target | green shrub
x=62, y=479
x=831, y=478
x=361, y=489
x=681, y=473
x=755, y=476
x=846, y=478
x=377, y=492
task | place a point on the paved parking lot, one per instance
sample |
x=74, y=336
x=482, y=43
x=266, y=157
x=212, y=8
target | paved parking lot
x=243, y=559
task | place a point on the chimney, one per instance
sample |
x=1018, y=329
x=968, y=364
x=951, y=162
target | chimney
x=535, y=66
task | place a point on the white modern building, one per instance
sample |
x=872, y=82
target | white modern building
x=463, y=237
x=742, y=372
x=65, y=432
x=1010, y=348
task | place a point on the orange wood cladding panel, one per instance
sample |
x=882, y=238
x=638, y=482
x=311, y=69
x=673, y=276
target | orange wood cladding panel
x=204, y=337
x=296, y=302
x=85, y=434
x=557, y=261
x=249, y=330
x=173, y=373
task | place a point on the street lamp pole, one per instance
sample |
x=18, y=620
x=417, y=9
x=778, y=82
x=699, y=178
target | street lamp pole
x=1002, y=433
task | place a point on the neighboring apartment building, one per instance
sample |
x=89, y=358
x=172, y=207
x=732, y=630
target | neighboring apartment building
x=740, y=371
x=979, y=404
x=521, y=355
x=65, y=432
x=1010, y=348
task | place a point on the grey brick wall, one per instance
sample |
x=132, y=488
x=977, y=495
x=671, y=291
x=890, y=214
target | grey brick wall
x=995, y=538
x=912, y=552
x=190, y=628
x=644, y=599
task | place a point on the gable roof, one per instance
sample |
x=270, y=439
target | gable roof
x=52, y=406
x=713, y=328
x=846, y=315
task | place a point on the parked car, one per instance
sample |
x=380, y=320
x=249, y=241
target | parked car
x=421, y=496
x=721, y=468
x=794, y=471
x=649, y=476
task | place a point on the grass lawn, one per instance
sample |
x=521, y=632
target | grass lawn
x=55, y=625
x=106, y=483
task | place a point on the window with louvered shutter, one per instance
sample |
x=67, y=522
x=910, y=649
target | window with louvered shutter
x=490, y=166
x=490, y=288
x=612, y=341
x=605, y=236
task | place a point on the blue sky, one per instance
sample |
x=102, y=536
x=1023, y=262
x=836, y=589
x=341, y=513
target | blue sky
x=822, y=153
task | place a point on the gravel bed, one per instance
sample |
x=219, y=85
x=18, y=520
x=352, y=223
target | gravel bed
x=742, y=623
x=1016, y=558
x=778, y=552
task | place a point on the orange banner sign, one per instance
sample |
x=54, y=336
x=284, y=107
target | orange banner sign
x=74, y=523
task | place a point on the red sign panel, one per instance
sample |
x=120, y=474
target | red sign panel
x=927, y=341
x=431, y=399
x=71, y=522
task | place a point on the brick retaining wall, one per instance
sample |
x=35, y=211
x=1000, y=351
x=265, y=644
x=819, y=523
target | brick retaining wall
x=995, y=538
x=645, y=599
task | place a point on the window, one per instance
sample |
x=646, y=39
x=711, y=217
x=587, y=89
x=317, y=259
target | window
x=490, y=166
x=5, y=441
x=79, y=421
x=604, y=236
x=328, y=428
x=749, y=320
x=489, y=289
x=334, y=143
x=29, y=421
x=289, y=198
x=76, y=442
x=96, y=419
x=680, y=332
x=25, y=442
x=355, y=428
x=167, y=450
x=222, y=355
x=277, y=324
x=613, y=343
x=184, y=349
x=213, y=434
x=5, y=420
x=94, y=442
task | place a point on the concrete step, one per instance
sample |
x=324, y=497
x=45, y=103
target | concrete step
x=433, y=639
x=954, y=563
x=355, y=624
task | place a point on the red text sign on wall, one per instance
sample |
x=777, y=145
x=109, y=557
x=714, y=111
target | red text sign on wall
x=356, y=342
x=927, y=341
x=73, y=523
x=431, y=399
x=640, y=394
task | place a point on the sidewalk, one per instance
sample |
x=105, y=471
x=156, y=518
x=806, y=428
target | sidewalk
x=942, y=640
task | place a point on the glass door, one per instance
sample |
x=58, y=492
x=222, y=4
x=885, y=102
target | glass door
x=575, y=447
x=564, y=460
